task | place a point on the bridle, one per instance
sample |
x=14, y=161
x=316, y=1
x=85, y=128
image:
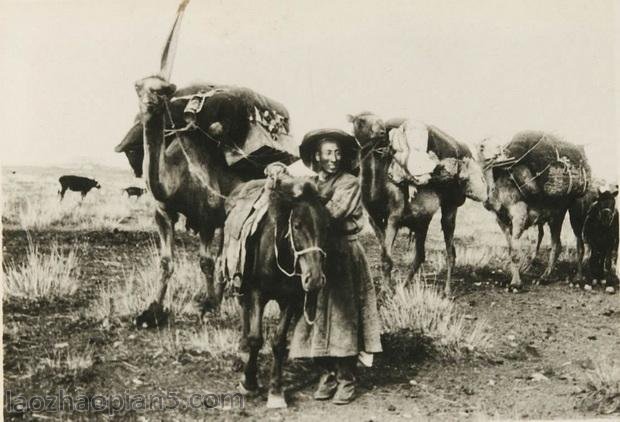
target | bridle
x=611, y=210
x=376, y=145
x=296, y=255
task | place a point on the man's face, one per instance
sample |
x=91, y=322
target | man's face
x=328, y=156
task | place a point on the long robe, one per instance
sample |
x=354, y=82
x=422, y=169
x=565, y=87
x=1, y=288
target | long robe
x=347, y=321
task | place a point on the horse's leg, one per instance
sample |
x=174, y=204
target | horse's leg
x=276, y=398
x=419, y=253
x=448, y=224
x=255, y=305
x=207, y=266
x=518, y=218
x=555, y=228
x=165, y=226
x=391, y=231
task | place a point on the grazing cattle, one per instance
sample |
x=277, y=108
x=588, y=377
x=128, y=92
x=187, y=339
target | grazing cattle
x=522, y=192
x=134, y=191
x=76, y=184
x=283, y=262
x=389, y=205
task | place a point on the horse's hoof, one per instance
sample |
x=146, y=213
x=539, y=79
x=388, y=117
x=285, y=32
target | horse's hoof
x=276, y=401
x=247, y=391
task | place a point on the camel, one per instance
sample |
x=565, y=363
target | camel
x=516, y=211
x=185, y=168
x=387, y=204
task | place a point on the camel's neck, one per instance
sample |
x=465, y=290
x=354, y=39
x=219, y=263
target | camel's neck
x=155, y=160
x=374, y=174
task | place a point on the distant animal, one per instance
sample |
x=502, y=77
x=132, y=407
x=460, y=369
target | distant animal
x=134, y=191
x=76, y=184
x=388, y=205
x=284, y=262
x=517, y=210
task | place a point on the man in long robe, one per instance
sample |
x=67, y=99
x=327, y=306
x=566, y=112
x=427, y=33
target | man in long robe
x=347, y=321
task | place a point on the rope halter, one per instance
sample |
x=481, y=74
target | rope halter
x=296, y=255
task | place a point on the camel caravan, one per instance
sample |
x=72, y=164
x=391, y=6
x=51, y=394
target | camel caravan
x=220, y=155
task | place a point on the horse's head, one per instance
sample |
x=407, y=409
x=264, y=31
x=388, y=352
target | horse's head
x=604, y=208
x=472, y=175
x=152, y=92
x=306, y=235
x=367, y=127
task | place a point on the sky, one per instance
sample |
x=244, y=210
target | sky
x=473, y=68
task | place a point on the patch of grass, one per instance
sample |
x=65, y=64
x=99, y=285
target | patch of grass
x=216, y=341
x=42, y=275
x=73, y=362
x=421, y=308
x=603, y=387
x=141, y=287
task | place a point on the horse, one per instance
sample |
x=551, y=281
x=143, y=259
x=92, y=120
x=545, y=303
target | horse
x=388, y=205
x=284, y=262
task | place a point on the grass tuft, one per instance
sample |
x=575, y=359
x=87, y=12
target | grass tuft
x=421, y=308
x=50, y=275
x=603, y=387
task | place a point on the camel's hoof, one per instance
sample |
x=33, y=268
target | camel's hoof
x=154, y=317
x=248, y=392
x=276, y=401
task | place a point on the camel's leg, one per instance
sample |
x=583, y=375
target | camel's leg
x=448, y=224
x=577, y=227
x=62, y=193
x=83, y=193
x=541, y=234
x=386, y=260
x=254, y=341
x=207, y=265
x=555, y=228
x=391, y=231
x=419, y=254
x=276, y=397
x=165, y=226
x=518, y=216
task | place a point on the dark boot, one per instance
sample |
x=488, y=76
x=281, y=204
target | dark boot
x=345, y=376
x=327, y=384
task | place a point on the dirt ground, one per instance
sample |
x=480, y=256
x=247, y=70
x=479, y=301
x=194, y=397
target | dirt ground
x=544, y=343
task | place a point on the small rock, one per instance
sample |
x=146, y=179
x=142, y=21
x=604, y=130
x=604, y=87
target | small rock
x=61, y=345
x=594, y=282
x=117, y=343
x=610, y=290
x=407, y=415
x=137, y=381
x=591, y=337
x=587, y=287
x=511, y=337
x=468, y=390
x=537, y=376
x=491, y=383
x=469, y=317
x=603, y=282
x=478, y=284
x=391, y=408
x=131, y=336
x=608, y=312
x=413, y=382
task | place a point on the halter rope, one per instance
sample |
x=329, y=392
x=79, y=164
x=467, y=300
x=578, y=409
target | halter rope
x=296, y=255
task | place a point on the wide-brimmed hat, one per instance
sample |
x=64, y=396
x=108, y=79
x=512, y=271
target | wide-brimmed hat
x=349, y=147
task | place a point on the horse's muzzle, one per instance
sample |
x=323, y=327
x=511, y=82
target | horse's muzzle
x=311, y=281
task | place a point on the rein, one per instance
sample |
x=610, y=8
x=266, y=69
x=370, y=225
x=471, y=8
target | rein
x=296, y=255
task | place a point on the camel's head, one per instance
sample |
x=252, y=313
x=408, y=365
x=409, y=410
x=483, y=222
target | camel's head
x=152, y=92
x=367, y=127
x=472, y=175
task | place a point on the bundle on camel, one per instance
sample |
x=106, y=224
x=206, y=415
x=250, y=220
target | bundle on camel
x=540, y=164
